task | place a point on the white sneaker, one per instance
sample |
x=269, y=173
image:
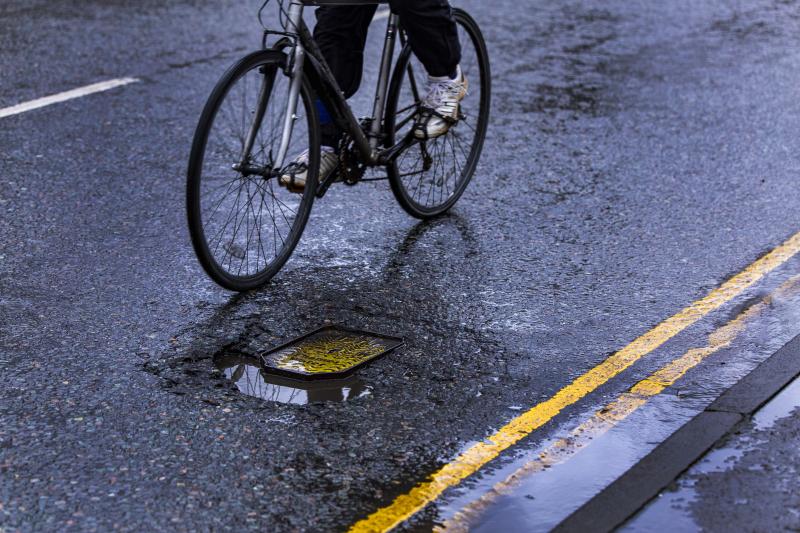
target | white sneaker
x=295, y=173
x=440, y=106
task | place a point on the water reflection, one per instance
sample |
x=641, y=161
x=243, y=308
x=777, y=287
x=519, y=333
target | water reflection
x=681, y=502
x=251, y=379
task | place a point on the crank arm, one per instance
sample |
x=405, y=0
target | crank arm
x=388, y=156
x=323, y=187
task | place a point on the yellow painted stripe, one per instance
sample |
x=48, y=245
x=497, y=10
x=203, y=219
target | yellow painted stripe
x=471, y=460
x=615, y=412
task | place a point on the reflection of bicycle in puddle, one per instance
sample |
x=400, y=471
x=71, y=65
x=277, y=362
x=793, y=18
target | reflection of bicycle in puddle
x=252, y=379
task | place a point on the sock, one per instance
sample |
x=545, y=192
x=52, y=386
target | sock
x=322, y=111
x=453, y=76
x=330, y=134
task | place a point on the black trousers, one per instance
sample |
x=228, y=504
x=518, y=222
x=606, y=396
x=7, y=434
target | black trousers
x=341, y=32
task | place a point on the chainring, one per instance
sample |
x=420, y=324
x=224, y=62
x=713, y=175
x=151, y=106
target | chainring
x=351, y=168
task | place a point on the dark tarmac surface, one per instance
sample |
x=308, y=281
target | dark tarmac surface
x=638, y=156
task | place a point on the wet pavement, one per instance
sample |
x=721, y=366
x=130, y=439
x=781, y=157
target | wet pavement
x=747, y=483
x=639, y=155
x=541, y=486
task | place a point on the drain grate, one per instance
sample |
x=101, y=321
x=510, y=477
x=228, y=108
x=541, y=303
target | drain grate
x=329, y=352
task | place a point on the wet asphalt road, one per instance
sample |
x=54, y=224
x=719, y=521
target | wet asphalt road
x=639, y=154
x=747, y=482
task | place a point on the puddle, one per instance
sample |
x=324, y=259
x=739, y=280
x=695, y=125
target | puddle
x=779, y=407
x=252, y=380
x=673, y=507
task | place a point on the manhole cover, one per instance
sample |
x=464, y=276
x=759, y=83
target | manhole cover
x=329, y=352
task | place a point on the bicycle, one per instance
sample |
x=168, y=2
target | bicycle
x=263, y=110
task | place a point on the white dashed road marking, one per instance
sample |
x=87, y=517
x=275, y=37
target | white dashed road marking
x=67, y=95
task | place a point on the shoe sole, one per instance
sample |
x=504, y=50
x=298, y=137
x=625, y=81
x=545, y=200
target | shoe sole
x=297, y=189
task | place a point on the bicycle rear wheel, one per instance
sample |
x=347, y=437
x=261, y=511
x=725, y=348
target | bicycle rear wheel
x=430, y=176
x=243, y=225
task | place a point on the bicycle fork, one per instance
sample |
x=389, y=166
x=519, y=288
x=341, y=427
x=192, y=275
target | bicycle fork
x=295, y=20
x=295, y=16
x=263, y=97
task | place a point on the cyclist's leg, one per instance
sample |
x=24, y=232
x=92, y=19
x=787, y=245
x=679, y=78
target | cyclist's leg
x=341, y=33
x=432, y=34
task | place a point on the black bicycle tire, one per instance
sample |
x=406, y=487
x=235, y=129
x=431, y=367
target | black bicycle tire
x=398, y=76
x=194, y=175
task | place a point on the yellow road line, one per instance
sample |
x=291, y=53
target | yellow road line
x=615, y=412
x=475, y=457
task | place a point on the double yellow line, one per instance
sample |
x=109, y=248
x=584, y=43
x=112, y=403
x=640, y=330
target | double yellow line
x=616, y=411
x=478, y=455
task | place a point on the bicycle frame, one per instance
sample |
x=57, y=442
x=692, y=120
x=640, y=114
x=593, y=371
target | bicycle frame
x=307, y=60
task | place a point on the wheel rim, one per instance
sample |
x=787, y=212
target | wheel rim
x=433, y=174
x=250, y=223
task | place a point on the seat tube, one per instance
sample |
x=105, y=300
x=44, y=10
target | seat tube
x=295, y=17
x=383, y=80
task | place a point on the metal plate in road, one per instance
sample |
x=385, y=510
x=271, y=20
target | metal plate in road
x=329, y=352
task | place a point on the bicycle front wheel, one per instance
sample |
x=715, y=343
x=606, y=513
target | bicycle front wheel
x=430, y=176
x=243, y=224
